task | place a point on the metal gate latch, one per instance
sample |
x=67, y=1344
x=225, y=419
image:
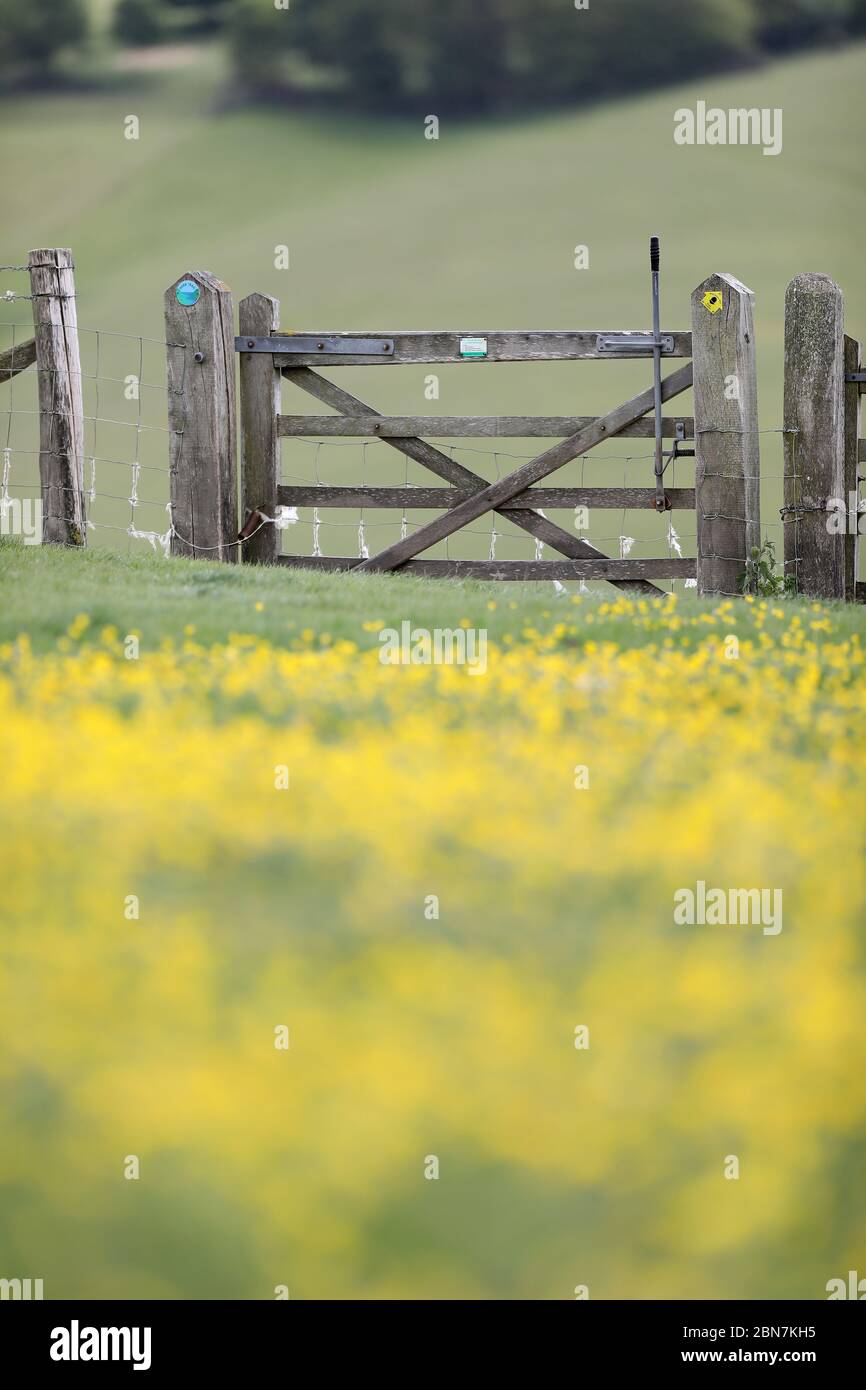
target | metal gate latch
x=641, y=344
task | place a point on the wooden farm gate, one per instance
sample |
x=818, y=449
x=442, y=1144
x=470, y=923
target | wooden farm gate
x=724, y=429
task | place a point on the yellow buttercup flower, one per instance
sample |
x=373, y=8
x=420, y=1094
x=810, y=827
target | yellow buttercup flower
x=432, y=880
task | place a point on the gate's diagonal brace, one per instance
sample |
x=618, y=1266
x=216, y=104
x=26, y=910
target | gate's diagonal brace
x=444, y=467
x=605, y=427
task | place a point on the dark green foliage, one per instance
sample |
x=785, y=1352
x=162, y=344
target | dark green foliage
x=189, y=18
x=785, y=24
x=761, y=577
x=451, y=56
x=857, y=22
x=138, y=21
x=33, y=32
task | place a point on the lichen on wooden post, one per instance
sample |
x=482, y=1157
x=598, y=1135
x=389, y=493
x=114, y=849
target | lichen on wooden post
x=61, y=408
x=852, y=365
x=814, y=435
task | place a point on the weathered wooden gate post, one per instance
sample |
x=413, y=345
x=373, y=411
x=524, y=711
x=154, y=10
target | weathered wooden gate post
x=200, y=364
x=259, y=317
x=727, y=463
x=852, y=364
x=61, y=408
x=814, y=425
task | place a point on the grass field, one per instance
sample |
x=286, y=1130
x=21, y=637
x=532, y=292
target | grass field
x=244, y=821
x=386, y=229
x=149, y=1031
x=159, y=601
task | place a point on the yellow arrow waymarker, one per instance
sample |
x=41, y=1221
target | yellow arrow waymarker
x=713, y=301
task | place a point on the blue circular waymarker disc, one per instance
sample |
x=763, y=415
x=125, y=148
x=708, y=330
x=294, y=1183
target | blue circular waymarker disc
x=187, y=292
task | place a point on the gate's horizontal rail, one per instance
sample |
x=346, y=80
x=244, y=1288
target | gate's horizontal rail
x=17, y=359
x=468, y=426
x=447, y=468
x=473, y=346
x=612, y=498
x=621, y=570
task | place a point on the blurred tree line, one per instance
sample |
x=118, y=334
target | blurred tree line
x=449, y=55
x=488, y=55
x=36, y=34
x=140, y=22
x=32, y=33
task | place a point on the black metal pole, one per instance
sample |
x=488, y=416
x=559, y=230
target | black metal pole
x=657, y=375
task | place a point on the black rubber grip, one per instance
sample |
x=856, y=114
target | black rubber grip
x=654, y=253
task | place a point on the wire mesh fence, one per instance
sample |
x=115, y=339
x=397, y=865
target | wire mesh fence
x=126, y=466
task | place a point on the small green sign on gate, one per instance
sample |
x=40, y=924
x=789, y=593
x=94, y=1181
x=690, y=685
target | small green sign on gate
x=473, y=347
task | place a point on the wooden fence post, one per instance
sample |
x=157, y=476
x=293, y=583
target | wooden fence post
x=61, y=408
x=852, y=458
x=200, y=362
x=259, y=317
x=727, y=462
x=814, y=425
